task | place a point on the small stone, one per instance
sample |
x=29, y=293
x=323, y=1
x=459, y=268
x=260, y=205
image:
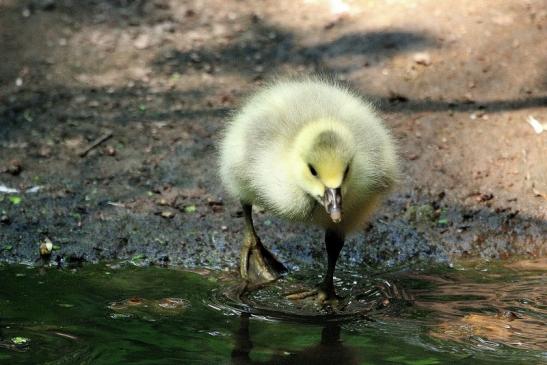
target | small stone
x=14, y=167
x=4, y=219
x=422, y=58
x=162, y=201
x=167, y=214
x=509, y=315
x=194, y=57
x=45, y=152
x=110, y=151
x=477, y=114
x=468, y=97
x=485, y=197
x=142, y=41
x=46, y=247
x=74, y=142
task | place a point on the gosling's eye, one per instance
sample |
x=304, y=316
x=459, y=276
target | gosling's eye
x=346, y=171
x=312, y=170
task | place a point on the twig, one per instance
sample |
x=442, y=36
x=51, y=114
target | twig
x=95, y=143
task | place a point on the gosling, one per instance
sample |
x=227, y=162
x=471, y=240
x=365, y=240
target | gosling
x=308, y=151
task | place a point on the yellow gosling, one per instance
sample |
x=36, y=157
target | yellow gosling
x=308, y=151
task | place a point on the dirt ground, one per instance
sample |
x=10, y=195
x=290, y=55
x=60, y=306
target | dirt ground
x=455, y=80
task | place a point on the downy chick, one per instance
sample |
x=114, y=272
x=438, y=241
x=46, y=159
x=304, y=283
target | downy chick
x=308, y=151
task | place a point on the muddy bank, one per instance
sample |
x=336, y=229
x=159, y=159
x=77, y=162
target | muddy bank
x=455, y=82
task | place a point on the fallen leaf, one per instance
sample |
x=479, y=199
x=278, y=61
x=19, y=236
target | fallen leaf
x=15, y=199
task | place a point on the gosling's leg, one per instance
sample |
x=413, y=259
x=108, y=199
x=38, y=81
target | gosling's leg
x=243, y=343
x=257, y=264
x=334, y=241
x=325, y=293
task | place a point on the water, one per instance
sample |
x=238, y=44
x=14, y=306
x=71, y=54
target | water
x=121, y=314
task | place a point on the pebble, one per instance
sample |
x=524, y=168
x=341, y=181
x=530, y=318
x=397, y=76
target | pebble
x=422, y=58
x=167, y=214
x=485, y=197
x=162, y=201
x=195, y=57
x=46, y=247
x=110, y=151
x=45, y=152
x=142, y=41
x=14, y=167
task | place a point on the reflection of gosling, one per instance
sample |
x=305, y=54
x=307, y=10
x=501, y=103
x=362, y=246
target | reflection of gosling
x=304, y=150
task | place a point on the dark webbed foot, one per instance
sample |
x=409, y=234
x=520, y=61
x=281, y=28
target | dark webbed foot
x=257, y=264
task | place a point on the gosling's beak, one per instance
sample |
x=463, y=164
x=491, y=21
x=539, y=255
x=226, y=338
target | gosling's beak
x=332, y=200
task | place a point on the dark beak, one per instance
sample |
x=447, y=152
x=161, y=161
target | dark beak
x=332, y=200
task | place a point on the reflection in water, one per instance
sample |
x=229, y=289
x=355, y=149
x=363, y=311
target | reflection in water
x=489, y=331
x=481, y=314
x=479, y=308
x=330, y=350
x=274, y=301
x=498, y=310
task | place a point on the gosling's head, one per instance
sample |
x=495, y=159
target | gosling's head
x=322, y=163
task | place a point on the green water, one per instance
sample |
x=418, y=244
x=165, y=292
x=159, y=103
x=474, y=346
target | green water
x=120, y=314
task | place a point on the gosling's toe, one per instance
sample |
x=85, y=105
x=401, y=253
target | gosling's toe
x=322, y=296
